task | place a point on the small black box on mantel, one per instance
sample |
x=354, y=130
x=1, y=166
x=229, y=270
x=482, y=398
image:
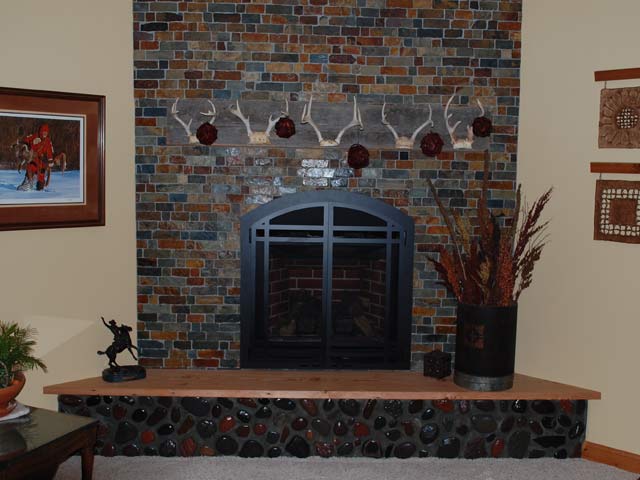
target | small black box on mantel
x=437, y=364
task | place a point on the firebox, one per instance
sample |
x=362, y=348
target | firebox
x=326, y=280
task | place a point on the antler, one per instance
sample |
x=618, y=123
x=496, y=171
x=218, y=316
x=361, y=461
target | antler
x=211, y=113
x=404, y=142
x=258, y=138
x=238, y=113
x=186, y=126
x=458, y=143
x=355, y=122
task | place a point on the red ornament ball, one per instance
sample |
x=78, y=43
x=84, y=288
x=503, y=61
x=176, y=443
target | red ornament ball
x=431, y=144
x=207, y=134
x=482, y=127
x=285, y=127
x=358, y=156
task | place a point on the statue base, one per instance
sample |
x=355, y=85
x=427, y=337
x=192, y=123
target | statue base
x=124, y=374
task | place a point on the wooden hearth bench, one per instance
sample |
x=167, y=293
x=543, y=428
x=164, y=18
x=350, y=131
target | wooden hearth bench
x=378, y=414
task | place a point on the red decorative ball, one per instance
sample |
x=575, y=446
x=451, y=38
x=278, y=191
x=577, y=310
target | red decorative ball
x=482, y=127
x=431, y=144
x=285, y=127
x=207, y=134
x=358, y=156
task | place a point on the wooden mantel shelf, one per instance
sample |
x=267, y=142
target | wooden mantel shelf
x=386, y=385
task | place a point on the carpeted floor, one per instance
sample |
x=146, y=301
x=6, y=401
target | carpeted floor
x=234, y=468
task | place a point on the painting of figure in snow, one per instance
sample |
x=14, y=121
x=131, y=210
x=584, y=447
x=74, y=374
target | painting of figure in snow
x=41, y=158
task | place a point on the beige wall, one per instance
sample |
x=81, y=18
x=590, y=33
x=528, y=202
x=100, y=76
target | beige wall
x=80, y=46
x=579, y=323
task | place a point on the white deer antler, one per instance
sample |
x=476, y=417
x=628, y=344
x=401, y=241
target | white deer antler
x=257, y=138
x=404, y=142
x=186, y=126
x=458, y=143
x=356, y=121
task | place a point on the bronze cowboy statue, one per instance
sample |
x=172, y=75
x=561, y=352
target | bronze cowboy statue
x=121, y=342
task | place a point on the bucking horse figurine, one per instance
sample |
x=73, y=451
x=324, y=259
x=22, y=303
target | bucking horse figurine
x=121, y=342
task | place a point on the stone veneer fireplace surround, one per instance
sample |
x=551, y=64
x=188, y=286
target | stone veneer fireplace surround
x=342, y=299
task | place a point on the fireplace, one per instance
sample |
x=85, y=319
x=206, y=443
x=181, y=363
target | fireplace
x=326, y=280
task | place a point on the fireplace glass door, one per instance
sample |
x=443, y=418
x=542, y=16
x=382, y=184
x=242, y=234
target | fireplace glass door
x=326, y=283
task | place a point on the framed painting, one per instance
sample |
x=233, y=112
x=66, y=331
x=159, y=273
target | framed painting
x=51, y=159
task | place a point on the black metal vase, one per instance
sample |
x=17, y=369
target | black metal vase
x=485, y=347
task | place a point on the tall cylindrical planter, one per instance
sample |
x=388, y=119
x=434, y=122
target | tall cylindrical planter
x=485, y=347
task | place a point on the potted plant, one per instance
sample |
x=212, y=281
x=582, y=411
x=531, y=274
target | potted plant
x=16, y=355
x=487, y=270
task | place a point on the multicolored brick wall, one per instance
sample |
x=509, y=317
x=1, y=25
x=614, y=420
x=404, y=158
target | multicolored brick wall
x=190, y=197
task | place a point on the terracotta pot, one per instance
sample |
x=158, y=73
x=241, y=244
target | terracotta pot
x=8, y=394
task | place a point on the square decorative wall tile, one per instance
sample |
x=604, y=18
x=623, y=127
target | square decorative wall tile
x=619, y=125
x=617, y=212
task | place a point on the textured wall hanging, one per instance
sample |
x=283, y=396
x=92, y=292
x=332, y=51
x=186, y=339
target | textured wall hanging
x=617, y=212
x=619, y=118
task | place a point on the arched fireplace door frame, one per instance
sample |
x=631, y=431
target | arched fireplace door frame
x=391, y=228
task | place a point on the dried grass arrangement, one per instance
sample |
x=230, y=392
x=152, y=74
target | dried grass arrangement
x=495, y=266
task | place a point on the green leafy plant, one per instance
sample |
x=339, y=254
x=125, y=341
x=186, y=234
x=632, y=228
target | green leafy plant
x=16, y=351
x=496, y=265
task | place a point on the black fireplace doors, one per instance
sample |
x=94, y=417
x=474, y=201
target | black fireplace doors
x=326, y=282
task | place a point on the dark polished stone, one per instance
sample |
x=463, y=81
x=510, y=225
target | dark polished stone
x=321, y=426
x=264, y=401
x=166, y=429
x=371, y=448
x=225, y=402
x=484, y=423
x=299, y=423
x=259, y=429
x=216, y=411
x=108, y=450
x=104, y=410
x=415, y=406
x=485, y=405
x=188, y=447
x=168, y=448
x=519, y=406
x=393, y=435
x=507, y=424
x=577, y=430
x=340, y=428
x=388, y=451
x=345, y=449
x=140, y=415
x=423, y=453
x=243, y=416
x=156, y=416
x=273, y=437
x=537, y=453
x=349, y=407
x=549, y=422
x=248, y=402
x=536, y=427
x=393, y=408
x=264, y=412
x=368, y=408
x=543, y=407
x=405, y=450
x=285, y=404
x=550, y=441
x=125, y=433
x=449, y=448
x=428, y=414
x=518, y=444
x=379, y=423
x=429, y=433
x=186, y=425
x=409, y=429
x=93, y=401
x=251, y=449
x=475, y=449
x=196, y=406
x=226, y=445
x=131, y=450
x=243, y=431
x=206, y=428
x=107, y=399
x=328, y=405
x=564, y=420
x=274, y=452
x=561, y=454
x=175, y=414
x=324, y=449
x=127, y=400
x=298, y=447
x=309, y=406
x=119, y=412
x=150, y=451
